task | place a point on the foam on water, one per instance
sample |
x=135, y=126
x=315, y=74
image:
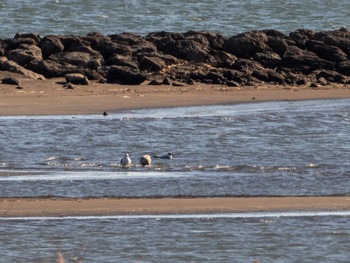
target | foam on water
x=189, y=216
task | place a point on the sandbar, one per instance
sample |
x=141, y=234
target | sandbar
x=29, y=207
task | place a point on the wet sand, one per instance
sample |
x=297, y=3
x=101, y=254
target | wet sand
x=50, y=97
x=26, y=207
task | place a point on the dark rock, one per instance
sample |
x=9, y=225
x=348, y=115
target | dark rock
x=36, y=38
x=120, y=60
x=125, y=75
x=191, y=50
x=301, y=36
x=10, y=81
x=214, y=40
x=77, y=78
x=94, y=38
x=53, y=69
x=11, y=66
x=344, y=67
x=24, y=54
x=167, y=81
x=80, y=59
x=51, y=45
x=268, y=59
x=164, y=41
x=325, y=51
x=332, y=76
x=152, y=63
x=222, y=58
x=303, y=61
x=247, y=44
x=108, y=48
x=278, y=45
x=127, y=39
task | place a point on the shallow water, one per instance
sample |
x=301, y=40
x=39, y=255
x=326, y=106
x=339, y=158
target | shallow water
x=197, y=239
x=261, y=149
x=142, y=17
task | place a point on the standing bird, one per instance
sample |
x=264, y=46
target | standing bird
x=168, y=156
x=125, y=161
x=145, y=160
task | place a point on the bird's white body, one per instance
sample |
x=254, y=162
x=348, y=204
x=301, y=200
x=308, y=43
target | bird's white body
x=168, y=156
x=145, y=160
x=125, y=161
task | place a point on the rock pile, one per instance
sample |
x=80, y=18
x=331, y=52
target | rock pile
x=266, y=56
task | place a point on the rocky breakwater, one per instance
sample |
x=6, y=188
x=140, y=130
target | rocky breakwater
x=304, y=57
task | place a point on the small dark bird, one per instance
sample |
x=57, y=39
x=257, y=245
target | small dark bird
x=145, y=160
x=168, y=156
x=105, y=113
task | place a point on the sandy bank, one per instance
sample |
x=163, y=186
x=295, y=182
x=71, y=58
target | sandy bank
x=14, y=207
x=50, y=97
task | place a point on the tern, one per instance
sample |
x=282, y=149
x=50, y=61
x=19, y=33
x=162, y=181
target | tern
x=125, y=161
x=168, y=156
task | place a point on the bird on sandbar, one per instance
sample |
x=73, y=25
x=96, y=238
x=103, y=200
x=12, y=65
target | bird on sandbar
x=125, y=161
x=168, y=156
x=145, y=160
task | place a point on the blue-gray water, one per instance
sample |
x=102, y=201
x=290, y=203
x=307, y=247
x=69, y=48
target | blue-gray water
x=287, y=148
x=142, y=17
x=261, y=149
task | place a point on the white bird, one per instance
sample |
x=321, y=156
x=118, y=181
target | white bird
x=168, y=156
x=125, y=161
x=145, y=160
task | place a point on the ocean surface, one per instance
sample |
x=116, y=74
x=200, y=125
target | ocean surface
x=261, y=149
x=289, y=148
x=142, y=17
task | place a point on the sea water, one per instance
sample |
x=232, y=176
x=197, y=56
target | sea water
x=262, y=149
x=142, y=17
x=284, y=148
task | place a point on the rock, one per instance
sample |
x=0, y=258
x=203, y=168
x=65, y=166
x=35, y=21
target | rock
x=152, y=63
x=344, y=67
x=10, y=81
x=11, y=66
x=268, y=59
x=125, y=75
x=322, y=81
x=331, y=76
x=77, y=78
x=325, y=51
x=80, y=59
x=51, y=45
x=247, y=44
x=127, y=38
x=53, y=69
x=108, y=48
x=278, y=45
x=120, y=60
x=94, y=38
x=24, y=54
x=303, y=61
x=301, y=37
x=36, y=38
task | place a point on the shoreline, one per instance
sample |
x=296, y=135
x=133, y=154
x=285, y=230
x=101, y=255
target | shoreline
x=33, y=207
x=50, y=97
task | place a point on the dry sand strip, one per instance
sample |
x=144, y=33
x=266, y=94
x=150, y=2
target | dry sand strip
x=27, y=207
